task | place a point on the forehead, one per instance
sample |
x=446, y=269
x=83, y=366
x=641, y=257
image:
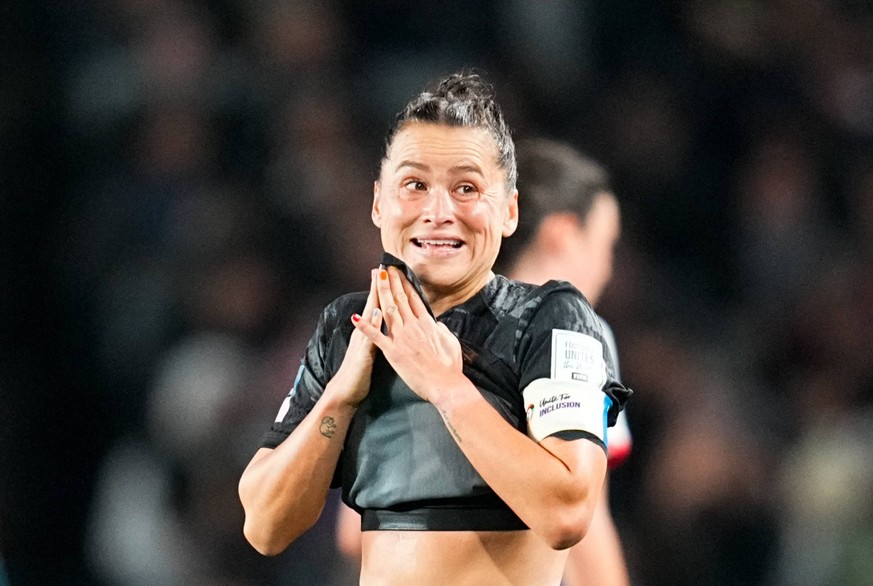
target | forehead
x=436, y=145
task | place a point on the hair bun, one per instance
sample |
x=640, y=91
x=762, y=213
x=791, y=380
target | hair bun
x=464, y=85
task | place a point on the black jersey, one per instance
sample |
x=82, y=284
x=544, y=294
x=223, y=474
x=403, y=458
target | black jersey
x=400, y=466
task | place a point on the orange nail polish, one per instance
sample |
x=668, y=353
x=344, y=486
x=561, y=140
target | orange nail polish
x=383, y=274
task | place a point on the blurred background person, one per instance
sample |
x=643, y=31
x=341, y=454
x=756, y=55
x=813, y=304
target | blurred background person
x=569, y=229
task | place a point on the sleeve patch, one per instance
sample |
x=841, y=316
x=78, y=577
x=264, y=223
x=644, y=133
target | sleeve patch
x=577, y=357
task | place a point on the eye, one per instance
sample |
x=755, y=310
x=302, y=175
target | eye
x=415, y=185
x=466, y=192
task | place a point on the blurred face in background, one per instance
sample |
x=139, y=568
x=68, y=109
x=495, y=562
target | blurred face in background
x=442, y=206
x=594, y=242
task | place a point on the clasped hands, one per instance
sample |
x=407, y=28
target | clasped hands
x=421, y=350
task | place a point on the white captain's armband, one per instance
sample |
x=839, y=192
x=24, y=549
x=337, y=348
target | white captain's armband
x=573, y=398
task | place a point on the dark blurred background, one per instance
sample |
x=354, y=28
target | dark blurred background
x=185, y=184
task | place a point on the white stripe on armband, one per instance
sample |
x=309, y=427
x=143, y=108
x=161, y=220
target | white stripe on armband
x=286, y=404
x=561, y=405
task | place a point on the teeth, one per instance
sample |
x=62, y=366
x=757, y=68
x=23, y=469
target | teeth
x=453, y=243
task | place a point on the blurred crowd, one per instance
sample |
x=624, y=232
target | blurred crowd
x=206, y=190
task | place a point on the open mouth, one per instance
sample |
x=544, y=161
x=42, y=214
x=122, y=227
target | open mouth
x=437, y=243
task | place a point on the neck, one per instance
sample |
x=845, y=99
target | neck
x=535, y=268
x=441, y=301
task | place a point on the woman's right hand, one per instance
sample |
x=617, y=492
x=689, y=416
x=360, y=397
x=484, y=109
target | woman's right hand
x=351, y=383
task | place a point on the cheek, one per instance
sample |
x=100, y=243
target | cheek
x=398, y=214
x=487, y=219
x=604, y=258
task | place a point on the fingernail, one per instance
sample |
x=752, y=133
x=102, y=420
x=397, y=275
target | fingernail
x=383, y=274
x=356, y=318
x=376, y=312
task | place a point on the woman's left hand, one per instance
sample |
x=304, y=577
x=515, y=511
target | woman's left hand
x=422, y=351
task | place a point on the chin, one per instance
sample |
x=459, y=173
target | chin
x=436, y=278
x=431, y=264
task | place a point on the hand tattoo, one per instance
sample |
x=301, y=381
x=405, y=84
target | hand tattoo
x=328, y=427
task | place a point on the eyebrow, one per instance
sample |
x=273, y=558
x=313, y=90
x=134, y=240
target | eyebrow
x=413, y=164
x=463, y=168
x=469, y=168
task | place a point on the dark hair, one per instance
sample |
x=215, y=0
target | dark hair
x=461, y=99
x=554, y=177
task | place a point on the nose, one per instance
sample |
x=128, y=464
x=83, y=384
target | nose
x=439, y=207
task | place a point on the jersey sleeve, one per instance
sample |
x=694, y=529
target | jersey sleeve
x=312, y=376
x=567, y=372
x=620, y=438
x=620, y=441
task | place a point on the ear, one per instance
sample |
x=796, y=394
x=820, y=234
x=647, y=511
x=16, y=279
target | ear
x=510, y=223
x=376, y=212
x=558, y=231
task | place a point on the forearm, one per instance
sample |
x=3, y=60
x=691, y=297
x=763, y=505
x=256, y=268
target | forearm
x=284, y=490
x=598, y=559
x=554, y=495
